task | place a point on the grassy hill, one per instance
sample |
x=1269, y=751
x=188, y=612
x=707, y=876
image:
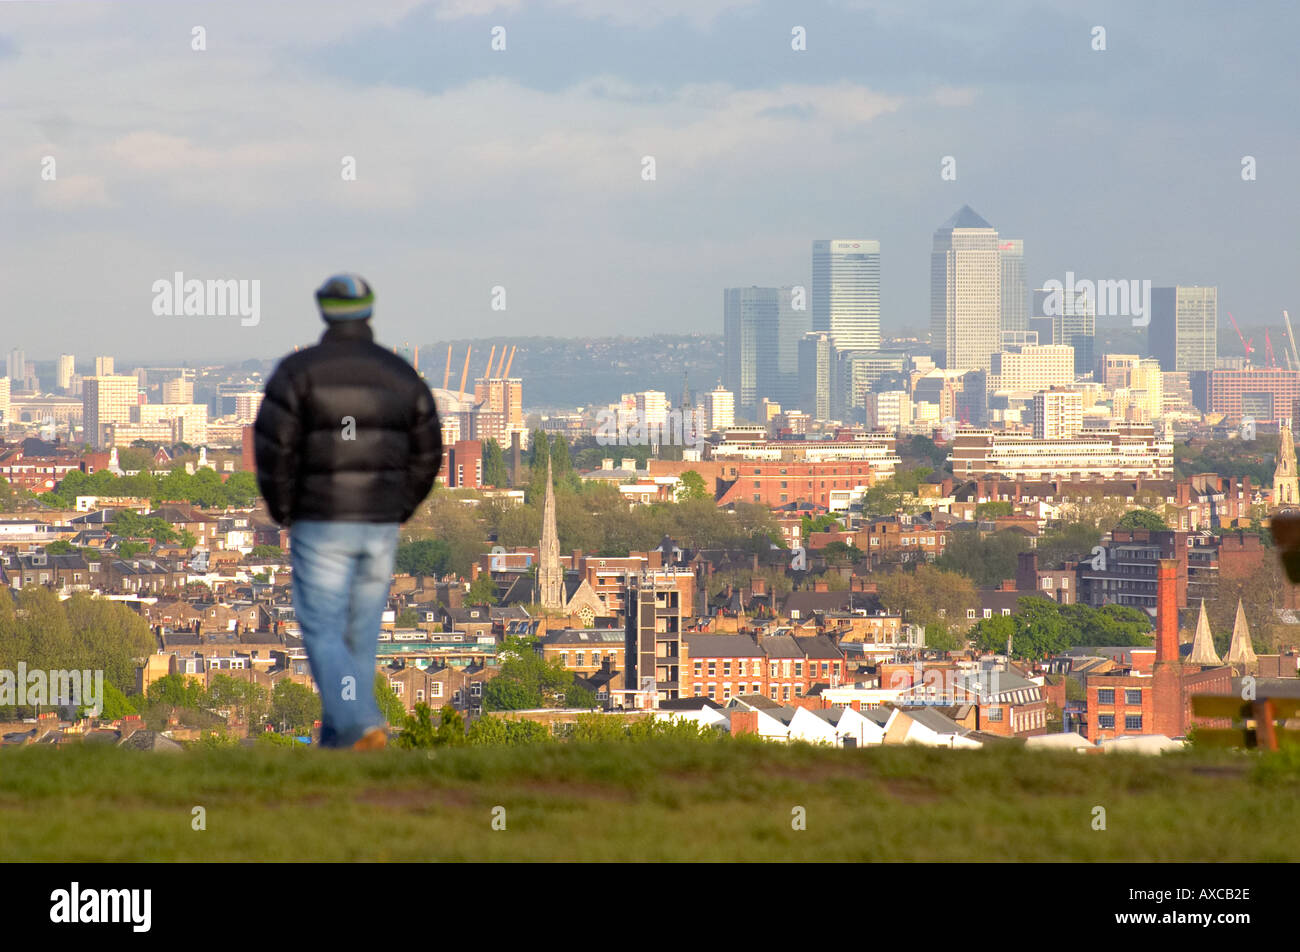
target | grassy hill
x=654, y=800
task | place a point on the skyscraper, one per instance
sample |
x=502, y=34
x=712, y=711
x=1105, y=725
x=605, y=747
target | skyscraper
x=1068, y=317
x=1184, y=330
x=67, y=367
x=816, y=367
x=846, y=292
x=965, y=292
x=761, y=330
x=16, y=367
x=1015, y=295
x=106, y=400
x=720, y=408
x=103, y=366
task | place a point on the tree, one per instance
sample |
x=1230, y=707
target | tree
x=525, y=679
x=499, y=732
x=390, y=705
x=451, y=728
x=177, y=690
x=495, y=472
x=423, y=557
x=294, y=706
x=1066, y=542
x=691, y=486
x=578, y=696
x=993, y=633
x=1141, y=519
x=928, y=594
x=986, y=560
x=408, y=618
x=482, y=591
x=940, y=638
x=418, y=730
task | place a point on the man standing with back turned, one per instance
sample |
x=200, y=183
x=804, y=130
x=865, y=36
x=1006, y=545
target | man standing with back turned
x=348, y=444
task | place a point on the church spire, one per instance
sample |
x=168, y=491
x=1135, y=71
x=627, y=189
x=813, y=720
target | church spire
x=1241, y=653
x=1286, y=480
x=1203, y=652
x=550, y=577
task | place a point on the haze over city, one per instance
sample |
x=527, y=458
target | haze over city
x=522, y=168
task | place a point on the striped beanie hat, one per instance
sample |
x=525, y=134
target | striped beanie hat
x=345, y=297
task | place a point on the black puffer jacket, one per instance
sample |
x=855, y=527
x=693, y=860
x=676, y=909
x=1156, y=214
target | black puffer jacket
x=347, y=432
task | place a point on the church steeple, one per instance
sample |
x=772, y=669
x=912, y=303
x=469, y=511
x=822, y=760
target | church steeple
x=1286, y=484
x=1241, y=653
x=550, y=577
x=1203, y=652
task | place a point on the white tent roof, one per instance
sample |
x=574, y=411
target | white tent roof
x=1140, y=744
x=1071, y=741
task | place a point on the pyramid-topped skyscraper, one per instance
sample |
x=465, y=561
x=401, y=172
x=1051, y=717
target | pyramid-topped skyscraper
x=966, y=292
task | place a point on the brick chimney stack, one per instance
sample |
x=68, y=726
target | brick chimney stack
x=1167, y=611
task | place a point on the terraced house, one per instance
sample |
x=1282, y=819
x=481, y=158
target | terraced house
x=781, y=667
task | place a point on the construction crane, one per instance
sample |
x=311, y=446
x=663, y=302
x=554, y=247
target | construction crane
x=1270, y=359
x=1245, y=344
x=1290, y=336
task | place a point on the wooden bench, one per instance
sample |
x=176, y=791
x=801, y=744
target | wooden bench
x=1258, y=719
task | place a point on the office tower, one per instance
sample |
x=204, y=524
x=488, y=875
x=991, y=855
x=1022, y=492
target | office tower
x=1184, y=331
x=816, y=365
x=104, y=367
x=652, y=407
x=66, y=368
x=1058, y=414
x=888, y=410
x=846, y=292
x=965, y=292
x=16, y=366
x=106, y=400
x=720, y=408
x=1015, y=294
x=178, y=390
x=1141, y=380
x=4, y=400
x=761, y=332
x=1067, y=316
x=247, y=405
x=856, y=374
x=1032, y=368
x=166, y=422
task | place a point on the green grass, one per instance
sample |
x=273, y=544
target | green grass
x=658, y=800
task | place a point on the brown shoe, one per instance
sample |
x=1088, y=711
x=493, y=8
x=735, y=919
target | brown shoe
x=374, y=739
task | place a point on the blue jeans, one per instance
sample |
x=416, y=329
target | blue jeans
x=342, y=572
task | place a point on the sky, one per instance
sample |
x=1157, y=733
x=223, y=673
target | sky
x=523, y=168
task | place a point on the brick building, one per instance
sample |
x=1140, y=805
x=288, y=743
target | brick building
x=1152, y=695
x=782, y=667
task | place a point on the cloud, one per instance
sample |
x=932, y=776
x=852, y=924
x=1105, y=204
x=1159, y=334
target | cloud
x=68, y=192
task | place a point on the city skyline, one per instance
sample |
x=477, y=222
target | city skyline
x=186, y=160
